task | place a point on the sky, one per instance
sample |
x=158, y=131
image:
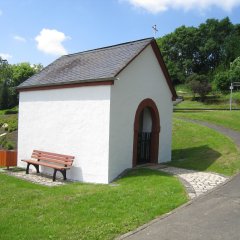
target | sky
x=40, y=31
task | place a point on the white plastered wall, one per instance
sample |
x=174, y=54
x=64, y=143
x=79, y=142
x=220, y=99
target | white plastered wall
x=71, y=121
x=143, y=78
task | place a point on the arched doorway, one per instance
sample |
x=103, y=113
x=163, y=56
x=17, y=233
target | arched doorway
x=146, y=133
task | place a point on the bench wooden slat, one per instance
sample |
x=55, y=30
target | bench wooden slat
x=34, y=155
x=46, y=164
x=48, y=159
x=54, y=154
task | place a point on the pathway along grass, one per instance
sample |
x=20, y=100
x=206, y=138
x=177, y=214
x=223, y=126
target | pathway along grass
x=85, y=211
x=223, y=118
x=201, y=148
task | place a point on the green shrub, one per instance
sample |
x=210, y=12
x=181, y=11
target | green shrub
x=11, y=120
x=9, y=146
x=198, y=84
x=6, y=144
x=8, y=112
x=222, y=81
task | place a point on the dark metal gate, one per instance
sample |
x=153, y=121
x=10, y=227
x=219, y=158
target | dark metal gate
x=144, y=146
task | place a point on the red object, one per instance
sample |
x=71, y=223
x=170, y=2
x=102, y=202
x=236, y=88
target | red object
x=8, y=158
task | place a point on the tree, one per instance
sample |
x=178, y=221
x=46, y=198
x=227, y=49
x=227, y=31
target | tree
x=20, y=73
x=223, y=79
x=199, y=85
x=5, y=76
x=234, y=71
x=4, y=97
x=178, y=49
x=203, y=50
x=5, y=70
x=10, y=77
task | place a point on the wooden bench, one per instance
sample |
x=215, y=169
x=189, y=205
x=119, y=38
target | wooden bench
x=56, y=161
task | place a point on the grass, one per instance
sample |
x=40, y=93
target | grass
x=213, y=100
x=229, y=119
x=200, y=148
x=11, y=120
x=85, y=211
x=210, y=103
x=13, y=110
x=9, y=141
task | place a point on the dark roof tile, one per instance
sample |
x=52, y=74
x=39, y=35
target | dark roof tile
x=93, y=65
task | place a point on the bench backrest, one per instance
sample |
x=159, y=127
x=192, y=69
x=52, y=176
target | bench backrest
x=53, y=158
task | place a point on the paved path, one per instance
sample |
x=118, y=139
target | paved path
x=214, y=216
x=196, y=182
x=234, y=135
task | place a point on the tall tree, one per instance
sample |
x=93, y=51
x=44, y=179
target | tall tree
x=20, y=73
x=206, y=49
x=4, y=96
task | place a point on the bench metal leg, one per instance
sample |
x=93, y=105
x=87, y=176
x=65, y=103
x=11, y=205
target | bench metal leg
x=37, y=168
x=54, y=175
x=35, y=165
x=27, y=169
x=64, y=173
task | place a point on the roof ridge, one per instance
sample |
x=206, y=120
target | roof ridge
x=107, y=47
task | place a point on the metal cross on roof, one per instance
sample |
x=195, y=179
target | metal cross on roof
x=155, y=30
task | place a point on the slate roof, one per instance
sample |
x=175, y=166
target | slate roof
x=95, y=65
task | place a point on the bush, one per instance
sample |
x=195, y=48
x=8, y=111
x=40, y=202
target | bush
x=222, y=81
x=9, y=112
x=198, y=84
x=6, y=143
x=9, y=146
x=11, y=120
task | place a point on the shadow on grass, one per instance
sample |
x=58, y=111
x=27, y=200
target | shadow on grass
x=142, y=172
x=196, y=158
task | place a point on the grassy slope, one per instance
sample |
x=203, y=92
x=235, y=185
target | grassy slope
x=10, y=140
x=201, y=148
x=223, y=118
x=85, y=211
x=208, y=105
x=11, y=120
x=213, y=100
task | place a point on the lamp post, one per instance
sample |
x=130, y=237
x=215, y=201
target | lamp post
x=231, y=89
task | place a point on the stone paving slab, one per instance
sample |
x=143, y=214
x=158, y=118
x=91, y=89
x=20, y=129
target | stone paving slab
x=195, y=182
x=37, y=178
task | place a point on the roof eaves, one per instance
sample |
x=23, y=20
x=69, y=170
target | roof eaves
x=110, y=79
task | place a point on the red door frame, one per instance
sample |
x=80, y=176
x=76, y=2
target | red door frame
x=155, y=130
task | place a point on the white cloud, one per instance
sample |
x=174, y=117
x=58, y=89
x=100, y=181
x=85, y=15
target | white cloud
x=50, y=41
x=5, y=56
x=156, y=6
x=19, y=38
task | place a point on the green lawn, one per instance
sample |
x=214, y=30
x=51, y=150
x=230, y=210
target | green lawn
x=85, y=211
x=229, y=119
x=221, y=104
x=213, y=100
x=200, y=148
